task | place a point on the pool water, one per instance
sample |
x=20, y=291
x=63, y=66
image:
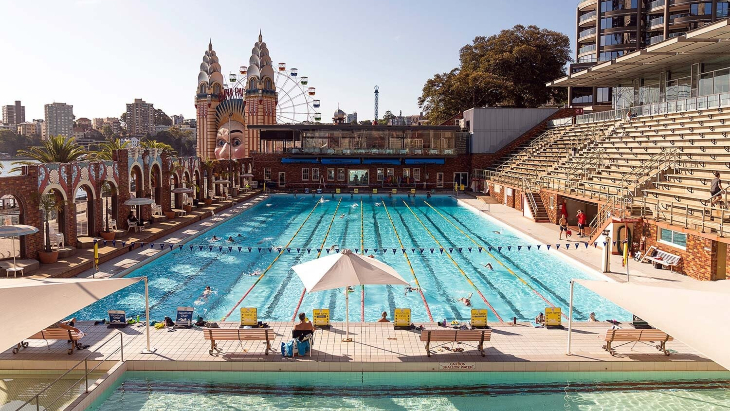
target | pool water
x=418, y=391
x=518, y=288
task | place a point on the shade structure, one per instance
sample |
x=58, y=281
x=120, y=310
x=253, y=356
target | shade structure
x=247, y=175
x=139, y=201
x=181, y=190
x=688, y=311
x=28, y=305
x=343, y=270
x=221, y=182
x=12, y=231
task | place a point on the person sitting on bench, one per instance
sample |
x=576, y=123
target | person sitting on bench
x=303, y=323
x=66, y=325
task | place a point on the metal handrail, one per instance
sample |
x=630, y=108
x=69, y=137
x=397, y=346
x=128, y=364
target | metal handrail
x=86, y=373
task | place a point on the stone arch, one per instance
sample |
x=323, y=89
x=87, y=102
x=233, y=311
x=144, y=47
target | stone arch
x=83, y=217
x=110, y=206
x=175, y=199
x=156, y=182
x=136, y=182
x=11, y=213
x=58, y=219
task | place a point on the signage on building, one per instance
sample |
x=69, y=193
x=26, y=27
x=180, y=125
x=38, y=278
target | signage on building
x=457, y=366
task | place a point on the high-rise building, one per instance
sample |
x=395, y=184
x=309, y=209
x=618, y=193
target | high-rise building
x=28, y=129
x=608, y=29
x=13, y=114
x=59, y=120
x=140, y=118
x=352, y=118
x=97, y=123
x=177, y=119
x=84, y=123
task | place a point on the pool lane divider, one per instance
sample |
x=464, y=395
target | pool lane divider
x=486, y=249
x=362, y=251
x=319, y=253
x=455, y=264
x=408, y=260
x=283, y=250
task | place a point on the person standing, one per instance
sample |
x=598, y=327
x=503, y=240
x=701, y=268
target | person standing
x=564, y=210
x=715, y=188
x=581, y=222
x=563, y=227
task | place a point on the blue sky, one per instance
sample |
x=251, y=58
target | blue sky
x=100, y=54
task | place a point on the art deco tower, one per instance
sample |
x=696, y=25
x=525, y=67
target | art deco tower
x=207, y=98
x=261, y=97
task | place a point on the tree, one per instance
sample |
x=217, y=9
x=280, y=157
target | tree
x=162, y=119
x=58, y=149
x=107, y=131
x=108, y=147
x=366, y=122
x=507, y=69
x=386, y=117
x=153, y=144
x=10, y=142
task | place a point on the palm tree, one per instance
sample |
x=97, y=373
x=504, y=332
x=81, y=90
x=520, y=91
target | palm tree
x=108, y=147
x=154, y=144
x=58, y=149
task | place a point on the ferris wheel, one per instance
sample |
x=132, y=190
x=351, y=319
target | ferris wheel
x=296, y=98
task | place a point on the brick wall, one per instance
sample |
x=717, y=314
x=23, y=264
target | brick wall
x=551, y=212
x=518, y=200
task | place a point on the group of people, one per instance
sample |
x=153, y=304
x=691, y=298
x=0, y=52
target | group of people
x=563, y=222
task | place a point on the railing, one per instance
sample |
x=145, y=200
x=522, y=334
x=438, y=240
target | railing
x=614, y=205
x=586, y=33
x=36, y=398
x=586, y=49
x=656, y=39
x=527, y=190
x=375, y=151
x=683, y=218
x=587, y=17
x=560, y=122
x=667, y=107
x=656, y=4
x=657, y=21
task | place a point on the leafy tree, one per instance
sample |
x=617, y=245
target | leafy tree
x=166, y=148
x=507, y=69
x=107, y=131
x=162, y=119
x=183, y=140
x=108, y=147
x=366, y=122
x=10, y=142
x=58, y=149
x=386, y=117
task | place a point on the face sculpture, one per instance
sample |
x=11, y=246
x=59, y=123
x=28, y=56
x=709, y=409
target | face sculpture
x=232, y=141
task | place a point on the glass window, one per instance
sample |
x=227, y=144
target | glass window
x=706, y=84
x=722, y=9
x=330, y=174
x=305, y=174
x=358, y=177
x=380, y=175
x=340, y=174
x=416, y=174
x=267, y=174
x=439, y=180
x=603, y=95
x=700, y=9
x=406, y=172
x=391, y=173
x=722, y=81
x=673, y=237
x=315, y=174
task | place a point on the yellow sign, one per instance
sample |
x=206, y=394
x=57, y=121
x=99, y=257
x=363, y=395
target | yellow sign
x=413, y=191
x=375, y=191
x=402, y=317
x=552, y=317
x=355, y=190
x=394, y=191
x=248, y=316
x=478, y=317
x=337, y=191
x=321, y=317
x=461, y=187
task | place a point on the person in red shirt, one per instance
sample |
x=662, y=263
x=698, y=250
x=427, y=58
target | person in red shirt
x=581, y=222
x=564, y=210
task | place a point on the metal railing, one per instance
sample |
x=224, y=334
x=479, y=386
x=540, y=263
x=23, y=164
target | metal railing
x=587, y=17
x=35, y=400
x=668, y=107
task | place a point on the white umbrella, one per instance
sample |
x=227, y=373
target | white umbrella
x=181, y=190
x=221, y=182
x=139, y=201
x=16, y=231
x=344, y=270
x=247, y=175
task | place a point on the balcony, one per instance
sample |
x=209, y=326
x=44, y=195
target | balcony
x=656, y=5
x=656, y=23
x=656, y=39
x=587, y=18
x=370, y=152
x=587, y=4
x=586, y=49
x=586, y=34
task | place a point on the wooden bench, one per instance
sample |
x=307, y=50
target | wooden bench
x=455, y=336
x=665, y=259
x=644, y=336
x=238, y=334
x=53, y=334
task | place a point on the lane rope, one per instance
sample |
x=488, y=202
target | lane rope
x=408, y=260
x=455, y=264
x=319, y=253
x=495, y=258
x=362, y=251
x=272, y=263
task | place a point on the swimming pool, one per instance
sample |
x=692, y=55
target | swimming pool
x=418, y=391
x=522, y=280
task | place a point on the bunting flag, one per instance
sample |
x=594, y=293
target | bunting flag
x=270, y=249
x=220, y=248
x=413, y=250
x=519, y=248
x=538, y=247
x=328, y=251
x=288, y=250
x=557, y=246
x=152, y=245
x=490, y=248
x=499, y=249
x=431, y=250
x=480, y=249
x=366, y=251
x=469, y=248
x=278, y=249
x=442, y=250
x=337, y=250
x=239, y=249
x=614, y=244
x=509, y=248
x=421, y=250
x=404, y=250
x=548, y=246
x=200, y=247
x=124, y=243
x=529, y=247
x=114, y=243
x=357, y=251
x=309, y=250
x=578, y=245
x=180, y=247
x=298, y=250
x=259, y=250
x=604, y=243
x=385, y=250
x=586, y=244
x=172, y=246
x=104, y=243
x=230, y=249
x=210, y=248
x=459, y=250
x=142, y=243
x=451, y=250
x=249, y=249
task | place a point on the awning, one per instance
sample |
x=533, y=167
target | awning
x=299, y=161
x=29, y=305
x=692, y=312
x=343, y=161
x=422, y=161
x=696, y=46
x=385, y=161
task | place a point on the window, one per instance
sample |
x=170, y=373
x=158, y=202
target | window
x=315, y=174
x=330, y=174
x=340, y=174
x=267, y=174
x=722, y=9
x=267, y=84
x=252, y=84
x=439, y=180
x=202, y=89
x=406, y=172
x=305, y=174
x=416, y=174
x=603, y=95
x=380, y=175
x=391, y=173
x=672, y=237
x=700, y=9
x=552, y=202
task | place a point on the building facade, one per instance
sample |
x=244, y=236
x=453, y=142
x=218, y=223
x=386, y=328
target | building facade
x=28, y=129
x=352, y=118
x=608, y=29
x=58, y=120
x=13, y=114
x=140, y=118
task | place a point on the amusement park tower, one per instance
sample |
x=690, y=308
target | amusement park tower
x=224, y=113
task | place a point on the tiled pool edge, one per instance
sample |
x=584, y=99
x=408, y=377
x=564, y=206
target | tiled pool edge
x=99, y=387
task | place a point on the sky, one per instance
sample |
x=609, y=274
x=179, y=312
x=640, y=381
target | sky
x=99, y=55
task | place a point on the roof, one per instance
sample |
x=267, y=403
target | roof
x=698, y=45
x=688, y=311
x=351, y=127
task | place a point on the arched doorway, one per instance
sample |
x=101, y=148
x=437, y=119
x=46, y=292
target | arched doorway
x=53, y=208
x=197, y=186
x=109, y=194
x=84, y=201
x=136, y=184
x=175, y=199
x=156, y=183
x=11, y=213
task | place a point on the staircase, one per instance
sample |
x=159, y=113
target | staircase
x=537, y=207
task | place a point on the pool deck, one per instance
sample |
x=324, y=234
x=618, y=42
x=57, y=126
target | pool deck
x=376, y=347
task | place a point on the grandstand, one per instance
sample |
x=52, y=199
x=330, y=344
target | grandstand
x=648, y=163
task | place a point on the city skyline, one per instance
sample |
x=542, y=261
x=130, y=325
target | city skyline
x=152, y=52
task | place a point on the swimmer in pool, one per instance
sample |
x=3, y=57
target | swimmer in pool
x=410, y=289
x=214, y=238
x=207, y=292
x=231, y=240
x=371, y=256
x=377, y=204
x=255, y=273
x=489, y=265
x=466, y=300
x=342, y=216
x=239, y=235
